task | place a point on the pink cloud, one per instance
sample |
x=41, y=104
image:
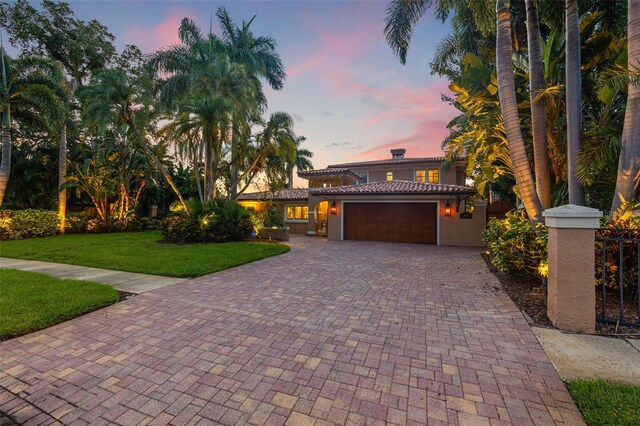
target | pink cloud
x=336, y=49
x=159, y=35
x=424, y=141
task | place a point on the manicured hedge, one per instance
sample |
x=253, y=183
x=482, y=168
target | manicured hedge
x=16, y=224
x=30, y=223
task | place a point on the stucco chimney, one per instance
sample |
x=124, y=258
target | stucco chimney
x=398, y=153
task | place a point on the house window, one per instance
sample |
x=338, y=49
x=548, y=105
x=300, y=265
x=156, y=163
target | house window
x=434, y=176
x=389, y=176
x=421, y=175
x=297, y=212
x=364, y=177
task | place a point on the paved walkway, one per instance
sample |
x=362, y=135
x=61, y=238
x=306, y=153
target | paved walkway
x=124, y=281
x=585, y=356
x=329, y=333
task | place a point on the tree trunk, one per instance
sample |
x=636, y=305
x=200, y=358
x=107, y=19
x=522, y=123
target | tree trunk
x=197, y=154
x=573, y=93
x=290, y=177
x=234, y=161
x=538, y=109
x=62, y=178
x=72, y=86
x=629, y=162
x=5, y=165
x=509, y=107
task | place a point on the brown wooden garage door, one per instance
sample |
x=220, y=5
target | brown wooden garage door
x=402, y=222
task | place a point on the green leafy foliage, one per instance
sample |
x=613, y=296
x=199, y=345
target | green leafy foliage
x=217, y=222
x=515, y=246
x=28, y=223
x=626, y=224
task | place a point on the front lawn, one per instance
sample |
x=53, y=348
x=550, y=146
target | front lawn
x=31, y=301
x=605, y=403
x=139, y=252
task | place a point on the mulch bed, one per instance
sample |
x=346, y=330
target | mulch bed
x=123, y=295
x=529, y=295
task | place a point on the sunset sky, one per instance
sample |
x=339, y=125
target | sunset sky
x=348, y=94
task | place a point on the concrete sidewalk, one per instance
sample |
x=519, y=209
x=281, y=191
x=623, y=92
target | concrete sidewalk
x=585, y=356
x=123, y=281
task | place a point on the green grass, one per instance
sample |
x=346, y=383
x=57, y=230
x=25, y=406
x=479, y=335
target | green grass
x=31, y=301
x=139, y=252
x=605, y=403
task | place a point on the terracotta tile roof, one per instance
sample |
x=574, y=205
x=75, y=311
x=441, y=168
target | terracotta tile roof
x=391, y=161
x=287, y=194
x=333, y=171
x=396, y=187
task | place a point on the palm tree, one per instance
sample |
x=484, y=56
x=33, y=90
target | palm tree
x=302, y=161
x=629, y=161
x=218, y=93
x=259, y=56
x=509, y=107
x=28, y=84
x=112, y=99
x=538, y=109
x=277, y=149
x=573, y=89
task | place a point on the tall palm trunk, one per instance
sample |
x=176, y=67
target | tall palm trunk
x=290, y=176
x=72, y=86
x=234, y=161
x=573, y=88
x=5, y=165
x=509, y=107
x=629, y=163
x=538, y=109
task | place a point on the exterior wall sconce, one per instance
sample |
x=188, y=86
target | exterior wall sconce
x=334, y=208
x=447, y=209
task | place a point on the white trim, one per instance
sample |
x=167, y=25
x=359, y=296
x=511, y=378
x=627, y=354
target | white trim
x=342, y=211
x=573, y=217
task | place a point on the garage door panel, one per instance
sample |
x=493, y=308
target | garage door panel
x=402, y=222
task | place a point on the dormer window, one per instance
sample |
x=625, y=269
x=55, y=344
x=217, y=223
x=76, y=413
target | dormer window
x=389, y=176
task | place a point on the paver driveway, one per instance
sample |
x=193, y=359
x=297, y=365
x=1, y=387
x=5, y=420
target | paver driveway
x=332, y=332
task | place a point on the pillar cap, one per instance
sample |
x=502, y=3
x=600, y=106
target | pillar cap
x=572, y=216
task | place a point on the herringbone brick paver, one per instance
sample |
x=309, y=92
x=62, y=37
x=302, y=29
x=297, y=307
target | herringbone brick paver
x=330, y=333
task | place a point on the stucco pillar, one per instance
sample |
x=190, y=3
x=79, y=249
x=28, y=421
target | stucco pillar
x=571, y=295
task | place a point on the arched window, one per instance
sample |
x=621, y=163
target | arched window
x=389, y=176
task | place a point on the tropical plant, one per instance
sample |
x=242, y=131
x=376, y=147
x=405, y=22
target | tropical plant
x=80, y=47
x=113, y=99
x=509, y=107
x=302, y=161
x=628, y=177
x=30, y=89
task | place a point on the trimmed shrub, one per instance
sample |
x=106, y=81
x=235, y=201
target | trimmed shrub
x=30, y=223
x=515, y=246
x=215, y=222
x=76, y=223
x=80, y=223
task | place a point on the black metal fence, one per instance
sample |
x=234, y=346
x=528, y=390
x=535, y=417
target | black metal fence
x=618, y=276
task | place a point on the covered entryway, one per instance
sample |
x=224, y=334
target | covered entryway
x=400, y=222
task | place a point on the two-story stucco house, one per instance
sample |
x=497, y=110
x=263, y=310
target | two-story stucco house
x=399, y=199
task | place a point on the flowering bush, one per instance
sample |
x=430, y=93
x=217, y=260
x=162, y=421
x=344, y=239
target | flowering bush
x=30, y=223
x=515, y=246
